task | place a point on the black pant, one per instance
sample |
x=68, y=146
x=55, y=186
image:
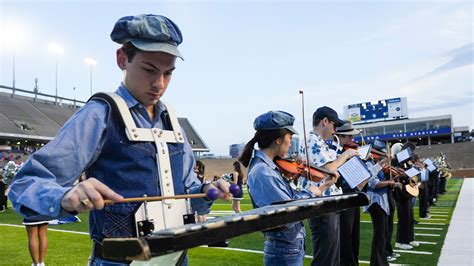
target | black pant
x=378, y=254
x=423, y=197
x=325, y=239
x=388, y=246
x=433, y=184
x=350, y=236
x=3, y=197
x=442, y=185
x=405, y=233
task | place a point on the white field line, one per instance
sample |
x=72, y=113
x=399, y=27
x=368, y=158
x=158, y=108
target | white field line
x=413, y=252
x=432, y=224
x=230, y=204
x=429, y=228
x=427, y=243
x=422, y=223
x=49, y=229
x=433, y=219
x=438, y=215
x=440, y=212
x=417, y=234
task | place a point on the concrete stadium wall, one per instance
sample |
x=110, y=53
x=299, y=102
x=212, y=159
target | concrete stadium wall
x=219, y=167
x=459, y=155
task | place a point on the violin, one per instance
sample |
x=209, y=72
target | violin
x=395, y=171
x=293, y=170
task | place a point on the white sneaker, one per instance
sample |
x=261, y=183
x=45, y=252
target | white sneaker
x=390, y=259
x=403, y=246
x=414, y=244
x=395, y=255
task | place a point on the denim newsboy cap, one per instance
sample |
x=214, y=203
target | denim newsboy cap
x=148, y=32
x=274, y=120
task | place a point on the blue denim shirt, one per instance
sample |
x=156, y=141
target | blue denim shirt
x=266, y=185
x=378, y=195
x=39, y=186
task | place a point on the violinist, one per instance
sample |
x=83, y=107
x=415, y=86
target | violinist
x=349, y=219
x=390, y=173
x=285, y=245
x=379, y=209
x=325, y=229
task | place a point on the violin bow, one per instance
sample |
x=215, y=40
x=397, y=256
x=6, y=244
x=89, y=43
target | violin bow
x=304, y=135
x=389, y=156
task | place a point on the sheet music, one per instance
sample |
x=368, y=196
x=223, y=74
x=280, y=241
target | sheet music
x=403, y=155
x=412, y=172
x=354, y=171
x=364, y=151
x=431, y=167
x=428, y=162
x=424, y=175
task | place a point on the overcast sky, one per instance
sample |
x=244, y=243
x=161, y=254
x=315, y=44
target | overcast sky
x=243, y=58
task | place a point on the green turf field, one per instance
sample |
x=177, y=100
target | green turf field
x=66, y=248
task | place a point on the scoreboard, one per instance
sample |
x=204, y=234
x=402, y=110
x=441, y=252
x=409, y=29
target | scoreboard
x=388, y=109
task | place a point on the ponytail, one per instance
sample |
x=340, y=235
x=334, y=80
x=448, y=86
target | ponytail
x=246, y=154
x=264, y=138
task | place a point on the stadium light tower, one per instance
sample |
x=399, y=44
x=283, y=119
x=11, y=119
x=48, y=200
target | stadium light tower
x=91, y=62
x=13, y=37
x=57, y=50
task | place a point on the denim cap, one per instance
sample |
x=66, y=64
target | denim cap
x=275, y=120
x=328, y=112
x=148, y=32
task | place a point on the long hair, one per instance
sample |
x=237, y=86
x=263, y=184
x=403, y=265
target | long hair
x=264, y=138
x=201, y=168
x=238, y=169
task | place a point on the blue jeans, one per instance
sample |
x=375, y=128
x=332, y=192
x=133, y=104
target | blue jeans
x=279, y=252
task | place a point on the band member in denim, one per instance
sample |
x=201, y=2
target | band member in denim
x=284, y=245
x=95, y=142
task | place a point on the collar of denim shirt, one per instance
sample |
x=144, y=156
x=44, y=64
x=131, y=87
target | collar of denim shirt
x=132, y=102
x=260, y=154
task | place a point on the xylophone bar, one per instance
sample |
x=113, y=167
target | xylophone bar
x=220, y=229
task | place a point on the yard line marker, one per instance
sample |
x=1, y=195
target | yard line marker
x=413, y=252
x=49, y=229
x=440, y=215
x=417, y=234
x=428, y=228
x=440, y=212
x=427, y=243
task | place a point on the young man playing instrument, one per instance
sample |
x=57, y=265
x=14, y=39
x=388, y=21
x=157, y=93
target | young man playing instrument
x=94, y=141
x=325, y=229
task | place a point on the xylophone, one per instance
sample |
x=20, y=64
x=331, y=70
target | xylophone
x=192, y=235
